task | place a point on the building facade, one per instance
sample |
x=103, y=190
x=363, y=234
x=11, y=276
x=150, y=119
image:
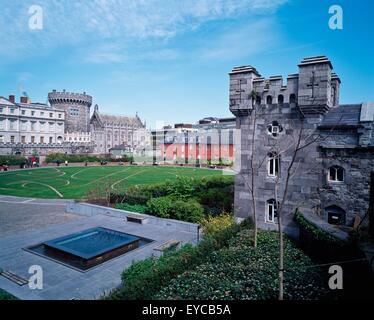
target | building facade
x=110, y=131
x=65, y=126
x=210, y=141
x=27, y=128
x=299, y=130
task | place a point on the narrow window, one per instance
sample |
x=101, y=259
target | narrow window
x=258, y=100
x=280, y=100
x=336, y=174
x=271, y=214
x=292, y=98
x=273, y=164
x=269, y=100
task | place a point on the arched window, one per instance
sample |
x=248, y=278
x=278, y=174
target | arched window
x=292, y=98
x=258, y=100
x=271, y=214
x=269, y=100
x=281, y=99
x=273, y=164
x=336, y=174
x=274, y=128
x=335, y=215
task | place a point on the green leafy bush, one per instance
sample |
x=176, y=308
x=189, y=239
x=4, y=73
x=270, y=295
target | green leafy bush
x=170, y=207
x=132, y=207
x=217, y=199
x=212, y=225
x=241, y=272
x=215, y=194
x=76, y=158
x=12, y=160
x=145, y=278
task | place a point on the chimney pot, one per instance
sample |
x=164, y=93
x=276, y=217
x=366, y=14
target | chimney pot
x=24, y=100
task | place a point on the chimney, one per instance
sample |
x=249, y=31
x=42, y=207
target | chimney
x=12, y=98
x=24, y=100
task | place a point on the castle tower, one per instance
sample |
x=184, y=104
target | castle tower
x=77, y=109
x=318, y=86
x=241, y=85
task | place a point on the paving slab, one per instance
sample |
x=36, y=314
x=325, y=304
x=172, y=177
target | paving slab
x=26, y=224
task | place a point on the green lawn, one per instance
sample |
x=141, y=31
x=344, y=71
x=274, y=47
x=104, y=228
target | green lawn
x=74, y=182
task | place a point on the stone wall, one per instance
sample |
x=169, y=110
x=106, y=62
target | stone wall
x=77, y=120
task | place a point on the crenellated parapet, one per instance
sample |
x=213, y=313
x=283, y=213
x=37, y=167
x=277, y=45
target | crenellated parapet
x=63, y=97
x=314, y=89
x=77, y=109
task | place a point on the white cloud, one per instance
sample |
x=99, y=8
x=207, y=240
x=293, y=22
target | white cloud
x=82, y=22
x=239, y=42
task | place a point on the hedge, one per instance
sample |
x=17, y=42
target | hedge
x=74, y=158
x=214, y=194
x=132, y=207
x=145, y=278
x=242, y=272
x=12, y=160
x=171, y=207
x=321, y=245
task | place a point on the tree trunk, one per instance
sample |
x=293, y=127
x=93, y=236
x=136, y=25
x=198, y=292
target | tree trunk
x=281, y=259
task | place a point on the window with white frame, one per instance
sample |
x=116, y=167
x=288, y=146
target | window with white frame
x=1, y=139
x=271, y=214
x=336, y=174
x=23, y=125
x=12, y=125
x=273, y=164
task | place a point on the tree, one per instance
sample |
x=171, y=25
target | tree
x=290, y=145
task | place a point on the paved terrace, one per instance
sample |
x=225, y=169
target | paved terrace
x=25, y=222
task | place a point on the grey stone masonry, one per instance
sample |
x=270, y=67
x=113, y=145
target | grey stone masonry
x=77, y=109
x=330, y=178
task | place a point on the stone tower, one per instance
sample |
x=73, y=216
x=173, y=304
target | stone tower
x=77, y=109
x=318, y=86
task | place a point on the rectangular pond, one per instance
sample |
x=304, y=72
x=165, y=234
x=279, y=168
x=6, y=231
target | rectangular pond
x=89, y=248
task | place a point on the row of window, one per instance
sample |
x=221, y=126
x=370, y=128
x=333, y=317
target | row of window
x=23, y=139
x=335, y=173
x=32, y=112
x=34, y=126
x=334, y=214
x=270, y=99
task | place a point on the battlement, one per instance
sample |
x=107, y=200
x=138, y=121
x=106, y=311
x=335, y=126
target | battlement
x=56, y=97
x=315, y=88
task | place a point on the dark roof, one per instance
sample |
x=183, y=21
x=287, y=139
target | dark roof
x=344, y=115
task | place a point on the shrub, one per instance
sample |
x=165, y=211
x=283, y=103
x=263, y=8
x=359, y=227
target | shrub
x=74, y=158
x=217, y=200
x=242, y=272
x=144, y=279
x=170, y=207
x=321, y=245
x=12, y=160
x=132, y=207
x=213, y=225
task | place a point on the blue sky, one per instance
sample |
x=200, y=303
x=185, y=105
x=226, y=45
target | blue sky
x=169, y=59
